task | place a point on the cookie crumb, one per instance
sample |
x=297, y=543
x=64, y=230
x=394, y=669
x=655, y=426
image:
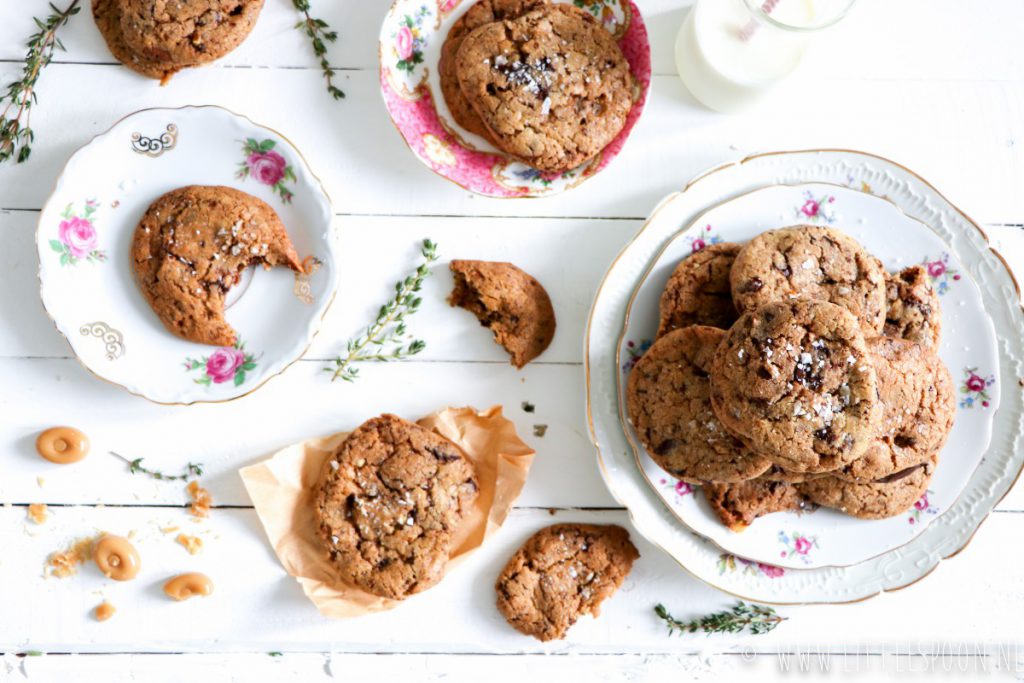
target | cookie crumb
x=104, y=611
x=202, y=501
x=63, y=564
x=38, y=513
x=529, y=407
x=193, y=544
x=540, y=430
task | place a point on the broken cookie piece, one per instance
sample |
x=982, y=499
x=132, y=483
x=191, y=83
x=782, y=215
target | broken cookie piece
x=738, y=505
x=510, y=302
x=561, y=573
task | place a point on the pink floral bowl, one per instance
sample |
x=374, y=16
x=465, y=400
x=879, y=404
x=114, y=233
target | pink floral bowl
x=410, y=47
x=85, y=231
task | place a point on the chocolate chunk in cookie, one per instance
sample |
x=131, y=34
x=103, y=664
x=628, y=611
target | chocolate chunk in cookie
x=186, y=32
x=551, y=86
x=913, y=311
x=510, y=302
x=388, y=504
x=918, y=404
x=560, y=573
x=479, y=13
x=886, y=497
x=669, y=405
x=738, y=505
x=794, y=380
x=191, y=247
x=814, y=263
x=698, y=291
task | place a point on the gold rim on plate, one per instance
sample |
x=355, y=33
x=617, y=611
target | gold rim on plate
x=586, y=361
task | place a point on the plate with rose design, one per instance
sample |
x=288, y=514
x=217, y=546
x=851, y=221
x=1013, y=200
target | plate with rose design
x=824, y=537
x=981, y=467
x=410, y=47
x=85, y=232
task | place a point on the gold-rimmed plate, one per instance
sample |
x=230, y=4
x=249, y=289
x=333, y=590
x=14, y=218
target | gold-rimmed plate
x=823, y=538
x=968, y=248
x=85, y=231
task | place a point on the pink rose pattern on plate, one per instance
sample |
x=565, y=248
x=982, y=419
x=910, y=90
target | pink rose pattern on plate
x=730, y=563
x=267, y=166
x=410, y=41
x=940, y=273
x=76, y=236
x=410, y=101
x=226, y=364
x=798, y=545
x=816, y=209
x=703, y=239
x=681, y=488
x=922, y=507
x=974, y=389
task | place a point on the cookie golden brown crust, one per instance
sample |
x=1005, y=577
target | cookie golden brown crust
x=698, y=291
x=561, y=573
x=913, y=311
x=814, y=263
x=479, y=13
x=191, y=247
x=186, y=32
x=880, y=499
x=794, y=381
x=388, y=505
x=669, y=405
x=510, y=302
x=552, y=85
x=918, y=401
x=107, y=14
x=738, y=505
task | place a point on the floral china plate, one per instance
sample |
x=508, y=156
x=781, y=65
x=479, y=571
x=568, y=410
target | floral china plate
x=675, y=226
x=826, y=537
x=410, y=47
x=85, y=232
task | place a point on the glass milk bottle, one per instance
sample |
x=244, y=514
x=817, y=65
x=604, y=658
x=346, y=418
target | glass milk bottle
x=732, y=52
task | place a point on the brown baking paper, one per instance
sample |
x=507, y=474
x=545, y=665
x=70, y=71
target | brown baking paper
x=282, y=489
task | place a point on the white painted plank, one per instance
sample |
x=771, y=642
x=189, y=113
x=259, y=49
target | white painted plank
x=299, y=404
x=1000, y=663
x=257, y=608
x=959, y=135
x=910, y=39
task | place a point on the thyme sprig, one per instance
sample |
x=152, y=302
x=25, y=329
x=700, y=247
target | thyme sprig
x=319, y=34
x=16, y=134
x=755, y=618
x=192, y=470
x=389, y=328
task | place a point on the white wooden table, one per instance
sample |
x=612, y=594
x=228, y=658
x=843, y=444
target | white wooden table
x=937, y=85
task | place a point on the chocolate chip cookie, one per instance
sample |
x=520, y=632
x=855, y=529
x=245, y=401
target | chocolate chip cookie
x=886, y=497
x=186, y=32
x=107, y=14
x=913, y=311
x=509, y=301
x=814, y=263
x=738, y=505
x=551, y=86
x=794, y=380
x=698, y=291
x=388, y=504
x=918, y=404
x=561, y=573
x=669, y=405
x=480, y=13
x=191, y=247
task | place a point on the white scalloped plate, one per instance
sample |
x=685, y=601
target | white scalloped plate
x=85, y=231
x=825, y=537
x=947, y=533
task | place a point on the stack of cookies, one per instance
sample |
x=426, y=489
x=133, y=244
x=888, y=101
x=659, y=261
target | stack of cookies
x=794, y=371
x=542, y=81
